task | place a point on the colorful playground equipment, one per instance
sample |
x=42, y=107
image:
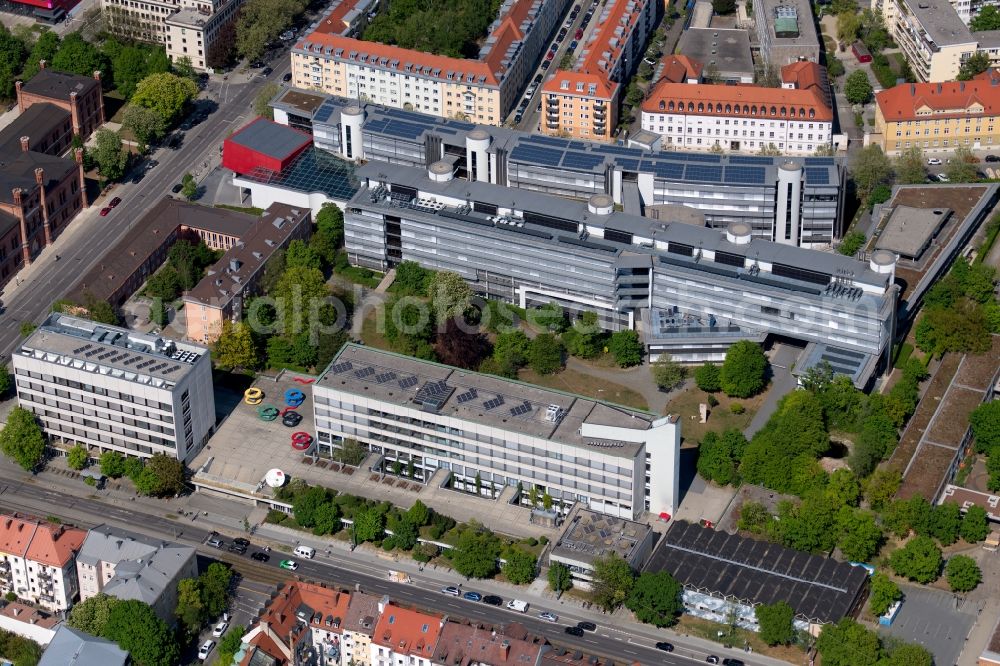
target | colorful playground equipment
x=253, y=396
x=294, y=397
x=301, y=441
x=268, y=412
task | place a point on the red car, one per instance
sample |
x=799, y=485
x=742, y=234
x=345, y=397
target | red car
x=114, y=202
x=105, y=211
x=579, y=33
x=550, y=55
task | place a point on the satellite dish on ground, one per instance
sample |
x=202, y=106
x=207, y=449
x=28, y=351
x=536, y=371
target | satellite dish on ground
x=275, y=478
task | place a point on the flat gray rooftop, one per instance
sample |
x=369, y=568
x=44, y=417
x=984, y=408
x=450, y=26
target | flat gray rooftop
x=589, y=535
x=484, y=399
x=98, y=348
x=909, y=231
x=804, y=20
x=941, y=21
x=731, y=46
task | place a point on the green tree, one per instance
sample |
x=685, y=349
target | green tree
x=775, y=622
x=419, y=514
x=369, y=524
x=908, y=654
x=112, y=464
x=475, y=555
x=158, y=313
x=860, y=536
x=214, y=583
x=22, y=439
x=411, y=279
x=45, y=48
x=169, y=475
x=848, y=24
x=848, y=643
x=584, y=339
x=946, y=523
x=884, y=593
x=613, y=580
x=230, y=645
x=307, y=503
x=235, y=347
x=146, y=125
x=110, y=154
x=963, y=573
x=656, y=599
x=165, y=93
x=78, y=56
x=545, y=354
x=78, y=457
x=724, y=7
x=975, y=524
x=301, y=255
x=134, y=626
x=519, y=566
x=871, y=169
x=719, y=456
x=744, y=372
x=165, y=284
x=299, y=291
x=909, y=166
x=782, y=455
x=960, y=328
x=133, y=467
x=667, y=373
x=706, y=377
x=857, y=87
x=977, y=63
x=626, y=347
x=262, y=103
x=189, y=187
x=881, y=487
x=511, y=348
x=13, y=51
x=190, y=611
x=450, y=294
x=844, y=487
x=261, y=22
x=988, y=18
x=918, y=560
x=92, y=615
x=326, y=520
x=129, y=65
x=851, y=243
x=560, y=577
x=962, y=167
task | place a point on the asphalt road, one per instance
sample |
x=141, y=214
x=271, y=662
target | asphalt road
x=89, y=236
x=40, y=498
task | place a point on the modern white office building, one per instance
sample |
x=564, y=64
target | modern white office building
x=608, y=458
x=110, y=388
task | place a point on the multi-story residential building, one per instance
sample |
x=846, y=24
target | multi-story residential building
x=786, y=31
x=583, y=102
x=938, y=117
x=191, y=29
x=404, y=636
x=738, y=118
x=39, y=561
x=483, y=90
x=302, y=615
x=114, y=389
x=127, y=565
x=72, y=647
x=931, y=35
x=472, y=644
x=358, y=628
x=220, y=295
x=81, y=96
x=696, y=290
x=640, y=180
x=489, y=433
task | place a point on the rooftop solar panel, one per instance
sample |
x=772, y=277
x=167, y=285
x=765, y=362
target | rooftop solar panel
x=536, y=155
x=820, y=161
x=818, y=175
x=408, y=382
x=751, y=159
x=575, y=160
x=710, y=158
x=627, y=164
x=750, y=175
x=546, y=140
x=493, y=403
x=702, y=173
x=662, y=169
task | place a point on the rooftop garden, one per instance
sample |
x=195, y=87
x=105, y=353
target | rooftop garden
x=414, y=24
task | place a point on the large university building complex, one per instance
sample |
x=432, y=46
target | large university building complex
x=113, y=389
x=505, y=433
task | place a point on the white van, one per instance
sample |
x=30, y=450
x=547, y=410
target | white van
x=305, y=551
x=517, y=605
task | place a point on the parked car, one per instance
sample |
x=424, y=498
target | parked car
x=942, y=178
x=711, y=659
x=472, y=596
x=291, y=565
x=205, y=650
x=992, y=158
x=579, y=33
x=574, y=631
x=733, y=662
x=291, y=419
x=105, y=211
x=176, y=188
x=451, y=590
x=114, y=202
x=260, y=556
x=493, y=600
x=538, y=79
x=237, y=548
x=666, y=647
x=573, y=45
x=545, y=64
x=587, y=626
x=242, y=541
x=287, y=77
x=548, y=617
x=267, y=71
x=220, y=629
x=934, y=161
x=215, y=542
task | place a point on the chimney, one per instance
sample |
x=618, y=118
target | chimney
x=505, y=649
x=39, y=172
x=17, y=89
x=382, y=603
x=42, y=64
x=25, y=141
x=97, y=74
x=74, y=112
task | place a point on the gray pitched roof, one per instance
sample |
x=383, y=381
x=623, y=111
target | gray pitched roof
x=72, y=647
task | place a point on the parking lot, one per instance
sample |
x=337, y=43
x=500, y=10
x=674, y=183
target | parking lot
x=934, y=619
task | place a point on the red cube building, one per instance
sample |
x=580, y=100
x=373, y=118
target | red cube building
x=263, y=145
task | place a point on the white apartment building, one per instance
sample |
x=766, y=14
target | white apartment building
x=608, y=458
x=738, y=118
x=187, y=28
x=110, y=388
x=932, y=35
x=38, y=561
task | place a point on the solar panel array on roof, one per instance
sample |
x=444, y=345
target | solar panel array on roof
x=757, y=572
x=666, y=170
x=751, y=159
x=751, y=175
x=434, y=394
x=536, y=155
x=398, y=128
x=817, y=175
x=575, y=160
x=620, y=150
x=545, y=140
x=326, y=110
x=820, y=161
x=703, y=174
x=627, y=164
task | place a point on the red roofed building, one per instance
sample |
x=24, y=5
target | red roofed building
x=738, y=118
x=302, y=617
x=482, y=90
x=939, y=117
x=263, y=144
x=38, y=560
x=465, y=645
x=583, y=102
x=405, y=636
x=680, y=69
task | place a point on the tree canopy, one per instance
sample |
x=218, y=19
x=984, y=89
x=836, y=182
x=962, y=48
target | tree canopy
x=919, y=560
x=848, y=643
x=613, y=580
x=870, y=169
x=744, y=372
x=235, y=347
x=884, y=593
x=412, y=24
x=165, y=93
x=134, y=626
x=775, y=622
x=519, y=566
x=719, y=456
x=667, y=373
x=22, y=439
x=707, y=378
x=655, y=598
x=545, y=354
x=975, y=64
x=475, y=555
x=910, y=167
x=626, y=347
x=857, y=87
x=110, y=154
x=988, y=18
x=963, y=573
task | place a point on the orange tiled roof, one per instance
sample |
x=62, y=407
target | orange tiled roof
x=406, y=631
x=579, y=83
x=737, y=101
x=803, y=74
x=15, y=534
x=55, y=545
x=465, y=644
x=680, y=68
x=334, y=23
x=948, y=100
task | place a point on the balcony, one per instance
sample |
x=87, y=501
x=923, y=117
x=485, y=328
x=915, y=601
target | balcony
x=552, y=125
x=552, y=102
